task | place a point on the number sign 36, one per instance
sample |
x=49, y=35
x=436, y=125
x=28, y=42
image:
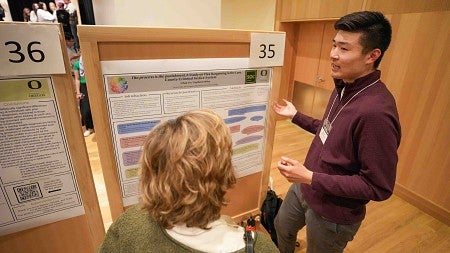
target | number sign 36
x=29, y=49
x=20, y=57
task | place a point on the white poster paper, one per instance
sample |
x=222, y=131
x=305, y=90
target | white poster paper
x=142, y=93
x=37, y=180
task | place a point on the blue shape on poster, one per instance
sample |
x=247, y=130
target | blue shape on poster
x=249, y=139
x=256, y=118
x=131, y=157
x=233, y=119
x=136, y=127
x=242, y=111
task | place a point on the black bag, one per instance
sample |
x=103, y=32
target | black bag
x=269, y=210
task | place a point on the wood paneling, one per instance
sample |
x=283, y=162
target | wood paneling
x=310, y=100
x=287, y=76
x=69, y=236
x=324, y=71
x=407, y=6
x=312, y=61
x=171, y=50
x=321, y=98
x=417, y=70
x=293, y=10
x=308, y=52
x=303, y=97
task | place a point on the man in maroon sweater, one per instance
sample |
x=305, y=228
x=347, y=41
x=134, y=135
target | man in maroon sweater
x=353, y=157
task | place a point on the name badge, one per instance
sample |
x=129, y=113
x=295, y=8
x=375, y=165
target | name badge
x=325, y=131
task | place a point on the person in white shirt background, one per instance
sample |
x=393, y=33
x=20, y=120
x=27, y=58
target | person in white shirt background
x=40, y=14
x=7, y=14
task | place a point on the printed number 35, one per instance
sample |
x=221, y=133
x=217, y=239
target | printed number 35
x=267, y=51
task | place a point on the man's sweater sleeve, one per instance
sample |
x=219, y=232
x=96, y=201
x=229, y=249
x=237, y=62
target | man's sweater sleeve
x=308, y=123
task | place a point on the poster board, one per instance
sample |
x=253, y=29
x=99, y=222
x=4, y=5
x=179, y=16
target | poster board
x=48, y=199
x=131, y=51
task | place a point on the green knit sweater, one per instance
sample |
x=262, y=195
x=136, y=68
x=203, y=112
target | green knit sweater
x=135, y=231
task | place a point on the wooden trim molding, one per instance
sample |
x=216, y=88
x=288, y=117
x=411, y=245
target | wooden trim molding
x=422, y=203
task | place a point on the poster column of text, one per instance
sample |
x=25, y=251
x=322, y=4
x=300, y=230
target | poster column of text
x=37, y=181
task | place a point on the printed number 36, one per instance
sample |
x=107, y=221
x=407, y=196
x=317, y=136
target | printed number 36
x=35, y=55
x=267, y=51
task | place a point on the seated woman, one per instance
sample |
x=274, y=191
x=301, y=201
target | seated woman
x=186, y=170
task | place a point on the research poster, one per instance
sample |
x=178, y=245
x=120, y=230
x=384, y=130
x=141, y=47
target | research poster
x=142, y=93
x=37, y=180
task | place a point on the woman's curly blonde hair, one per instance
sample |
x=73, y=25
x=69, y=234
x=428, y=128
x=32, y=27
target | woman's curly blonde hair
x=186, y=169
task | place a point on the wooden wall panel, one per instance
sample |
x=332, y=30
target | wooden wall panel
x=407, y=6
x=321, y=98
x=286, y=89
x=324, y=71
x=317, y=9
x=308, y=52
x=303, y=97
x=418, y=73
x=171, y=50
x=68, y=236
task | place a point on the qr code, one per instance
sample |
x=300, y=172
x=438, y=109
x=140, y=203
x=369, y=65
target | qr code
x=27, y=192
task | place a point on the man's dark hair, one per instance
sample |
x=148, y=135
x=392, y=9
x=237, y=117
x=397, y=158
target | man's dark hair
x=68, y=36
x=375, y=30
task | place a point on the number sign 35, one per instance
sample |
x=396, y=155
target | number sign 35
x=267, y=49
x=29, y=49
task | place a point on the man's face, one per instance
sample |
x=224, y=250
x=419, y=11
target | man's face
x=70, y=43
x=347, y=60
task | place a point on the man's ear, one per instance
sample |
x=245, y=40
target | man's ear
x=373, y=55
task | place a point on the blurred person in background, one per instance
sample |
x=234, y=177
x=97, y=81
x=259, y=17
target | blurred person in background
x=26, y=14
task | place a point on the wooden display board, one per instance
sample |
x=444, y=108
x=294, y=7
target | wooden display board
x=85, y=230
x=102, y=43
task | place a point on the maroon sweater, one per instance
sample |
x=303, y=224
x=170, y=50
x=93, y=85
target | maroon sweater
x=358, y=161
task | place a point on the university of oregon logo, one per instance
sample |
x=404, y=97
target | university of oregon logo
x=250, y=76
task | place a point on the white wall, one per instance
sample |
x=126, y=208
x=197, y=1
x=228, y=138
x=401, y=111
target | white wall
x=158, y=13
x=248, y=14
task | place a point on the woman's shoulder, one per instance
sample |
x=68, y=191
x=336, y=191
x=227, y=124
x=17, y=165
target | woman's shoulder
x=133, y=213
x=136, y=222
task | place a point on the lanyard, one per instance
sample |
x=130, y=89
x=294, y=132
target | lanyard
x=331, y=123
